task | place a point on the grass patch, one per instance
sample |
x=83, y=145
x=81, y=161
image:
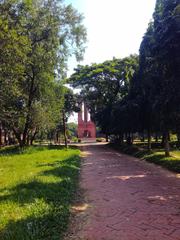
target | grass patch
x=172, y=163
x=156, y=156
x=36, y=189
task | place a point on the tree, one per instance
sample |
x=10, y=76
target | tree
x=103, y=85
x=50, y=32
x=148, y=76
x=72, y=129
x=159, y=71
x=166, y=51
x=14, y=48
x=70, y=106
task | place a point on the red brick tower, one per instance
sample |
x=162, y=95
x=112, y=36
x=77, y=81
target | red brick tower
x=86, y=128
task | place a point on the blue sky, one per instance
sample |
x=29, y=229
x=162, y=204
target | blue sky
x=115, y=28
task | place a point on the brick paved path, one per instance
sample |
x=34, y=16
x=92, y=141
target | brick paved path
x=125, y=199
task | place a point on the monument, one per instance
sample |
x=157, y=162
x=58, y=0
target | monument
x=86, y=127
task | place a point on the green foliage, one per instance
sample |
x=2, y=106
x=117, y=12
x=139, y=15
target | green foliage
x=159, y=70
x=37, y=37
x=72, y=131
x=70, y=102
x=37, y=188
x=103, y=86
x=172, y=163
x=142, y=94
x=100, y=139
x=152, y=102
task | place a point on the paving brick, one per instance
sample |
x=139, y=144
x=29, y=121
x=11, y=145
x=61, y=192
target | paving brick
x=127, y=199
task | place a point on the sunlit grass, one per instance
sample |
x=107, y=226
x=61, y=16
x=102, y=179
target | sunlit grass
x=36, y=190
x=156, y=156
x=171, y=163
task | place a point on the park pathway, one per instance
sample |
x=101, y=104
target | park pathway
x=125, y=199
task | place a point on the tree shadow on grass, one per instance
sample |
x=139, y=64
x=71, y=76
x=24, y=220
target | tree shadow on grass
x=51, y=200
x=170, y=163
x=16, y=150
x=10, y=150
x=49, y=226
x=70, y=161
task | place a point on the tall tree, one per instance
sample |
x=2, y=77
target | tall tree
x=70, y=106
x=51, y=32
x=167, y=47
x=103, y=85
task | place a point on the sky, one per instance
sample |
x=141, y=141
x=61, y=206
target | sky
x=115, y=27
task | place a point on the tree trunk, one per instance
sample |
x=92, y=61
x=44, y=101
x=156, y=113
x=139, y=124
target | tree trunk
x=5, y=138
x=27, y=140
x=57, y=137
x=25, y=132
x=107, y=140
x=156, y=137
x=29, y=105
x=132, y=138
x=64, y=130
x=169, y=137
x=18, y=137
x=142, y=137
x=121, y=138
x=33, y=137
x=1, y=135
x=163, y=139
x=166, y=144
x=126, y=137
x=129, y=140
x=149, y=140
x=178, y=139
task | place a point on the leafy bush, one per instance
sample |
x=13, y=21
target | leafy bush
x=100, y=139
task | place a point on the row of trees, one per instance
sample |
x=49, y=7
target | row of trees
x=36, y=39
x=139, y=93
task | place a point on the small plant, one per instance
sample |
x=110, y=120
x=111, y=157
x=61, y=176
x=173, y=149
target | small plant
x=99, y=139
x=74, y=139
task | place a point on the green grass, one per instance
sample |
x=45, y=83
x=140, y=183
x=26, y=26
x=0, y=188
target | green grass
x=36, y=190
x=156, y=156
x=172, y=163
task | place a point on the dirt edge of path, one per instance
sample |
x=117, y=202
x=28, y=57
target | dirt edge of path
x=80, y=210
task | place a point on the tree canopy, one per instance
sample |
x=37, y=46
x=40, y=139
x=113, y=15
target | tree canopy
x=139, y=94
x=36, y=40
x=136, y=94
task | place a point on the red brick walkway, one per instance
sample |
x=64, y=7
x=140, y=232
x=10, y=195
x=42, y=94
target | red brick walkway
x=126, y=199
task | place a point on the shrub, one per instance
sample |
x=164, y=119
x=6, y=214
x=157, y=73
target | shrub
x=99, y=139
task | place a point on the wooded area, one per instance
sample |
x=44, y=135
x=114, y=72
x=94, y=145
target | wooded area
x=139, y=94
x=36, y=40
x=134, y=102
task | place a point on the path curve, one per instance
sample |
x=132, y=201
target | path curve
x=125, y=199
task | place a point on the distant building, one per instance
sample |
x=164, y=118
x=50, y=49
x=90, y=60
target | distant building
x=86, y=127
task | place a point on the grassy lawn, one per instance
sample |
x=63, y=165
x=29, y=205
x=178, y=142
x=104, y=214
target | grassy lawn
x=156, y=156
x=172, y=163
x=36, y=190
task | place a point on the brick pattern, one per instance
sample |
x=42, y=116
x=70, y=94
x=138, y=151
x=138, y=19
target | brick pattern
x=126, y=199
x=86, y=127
